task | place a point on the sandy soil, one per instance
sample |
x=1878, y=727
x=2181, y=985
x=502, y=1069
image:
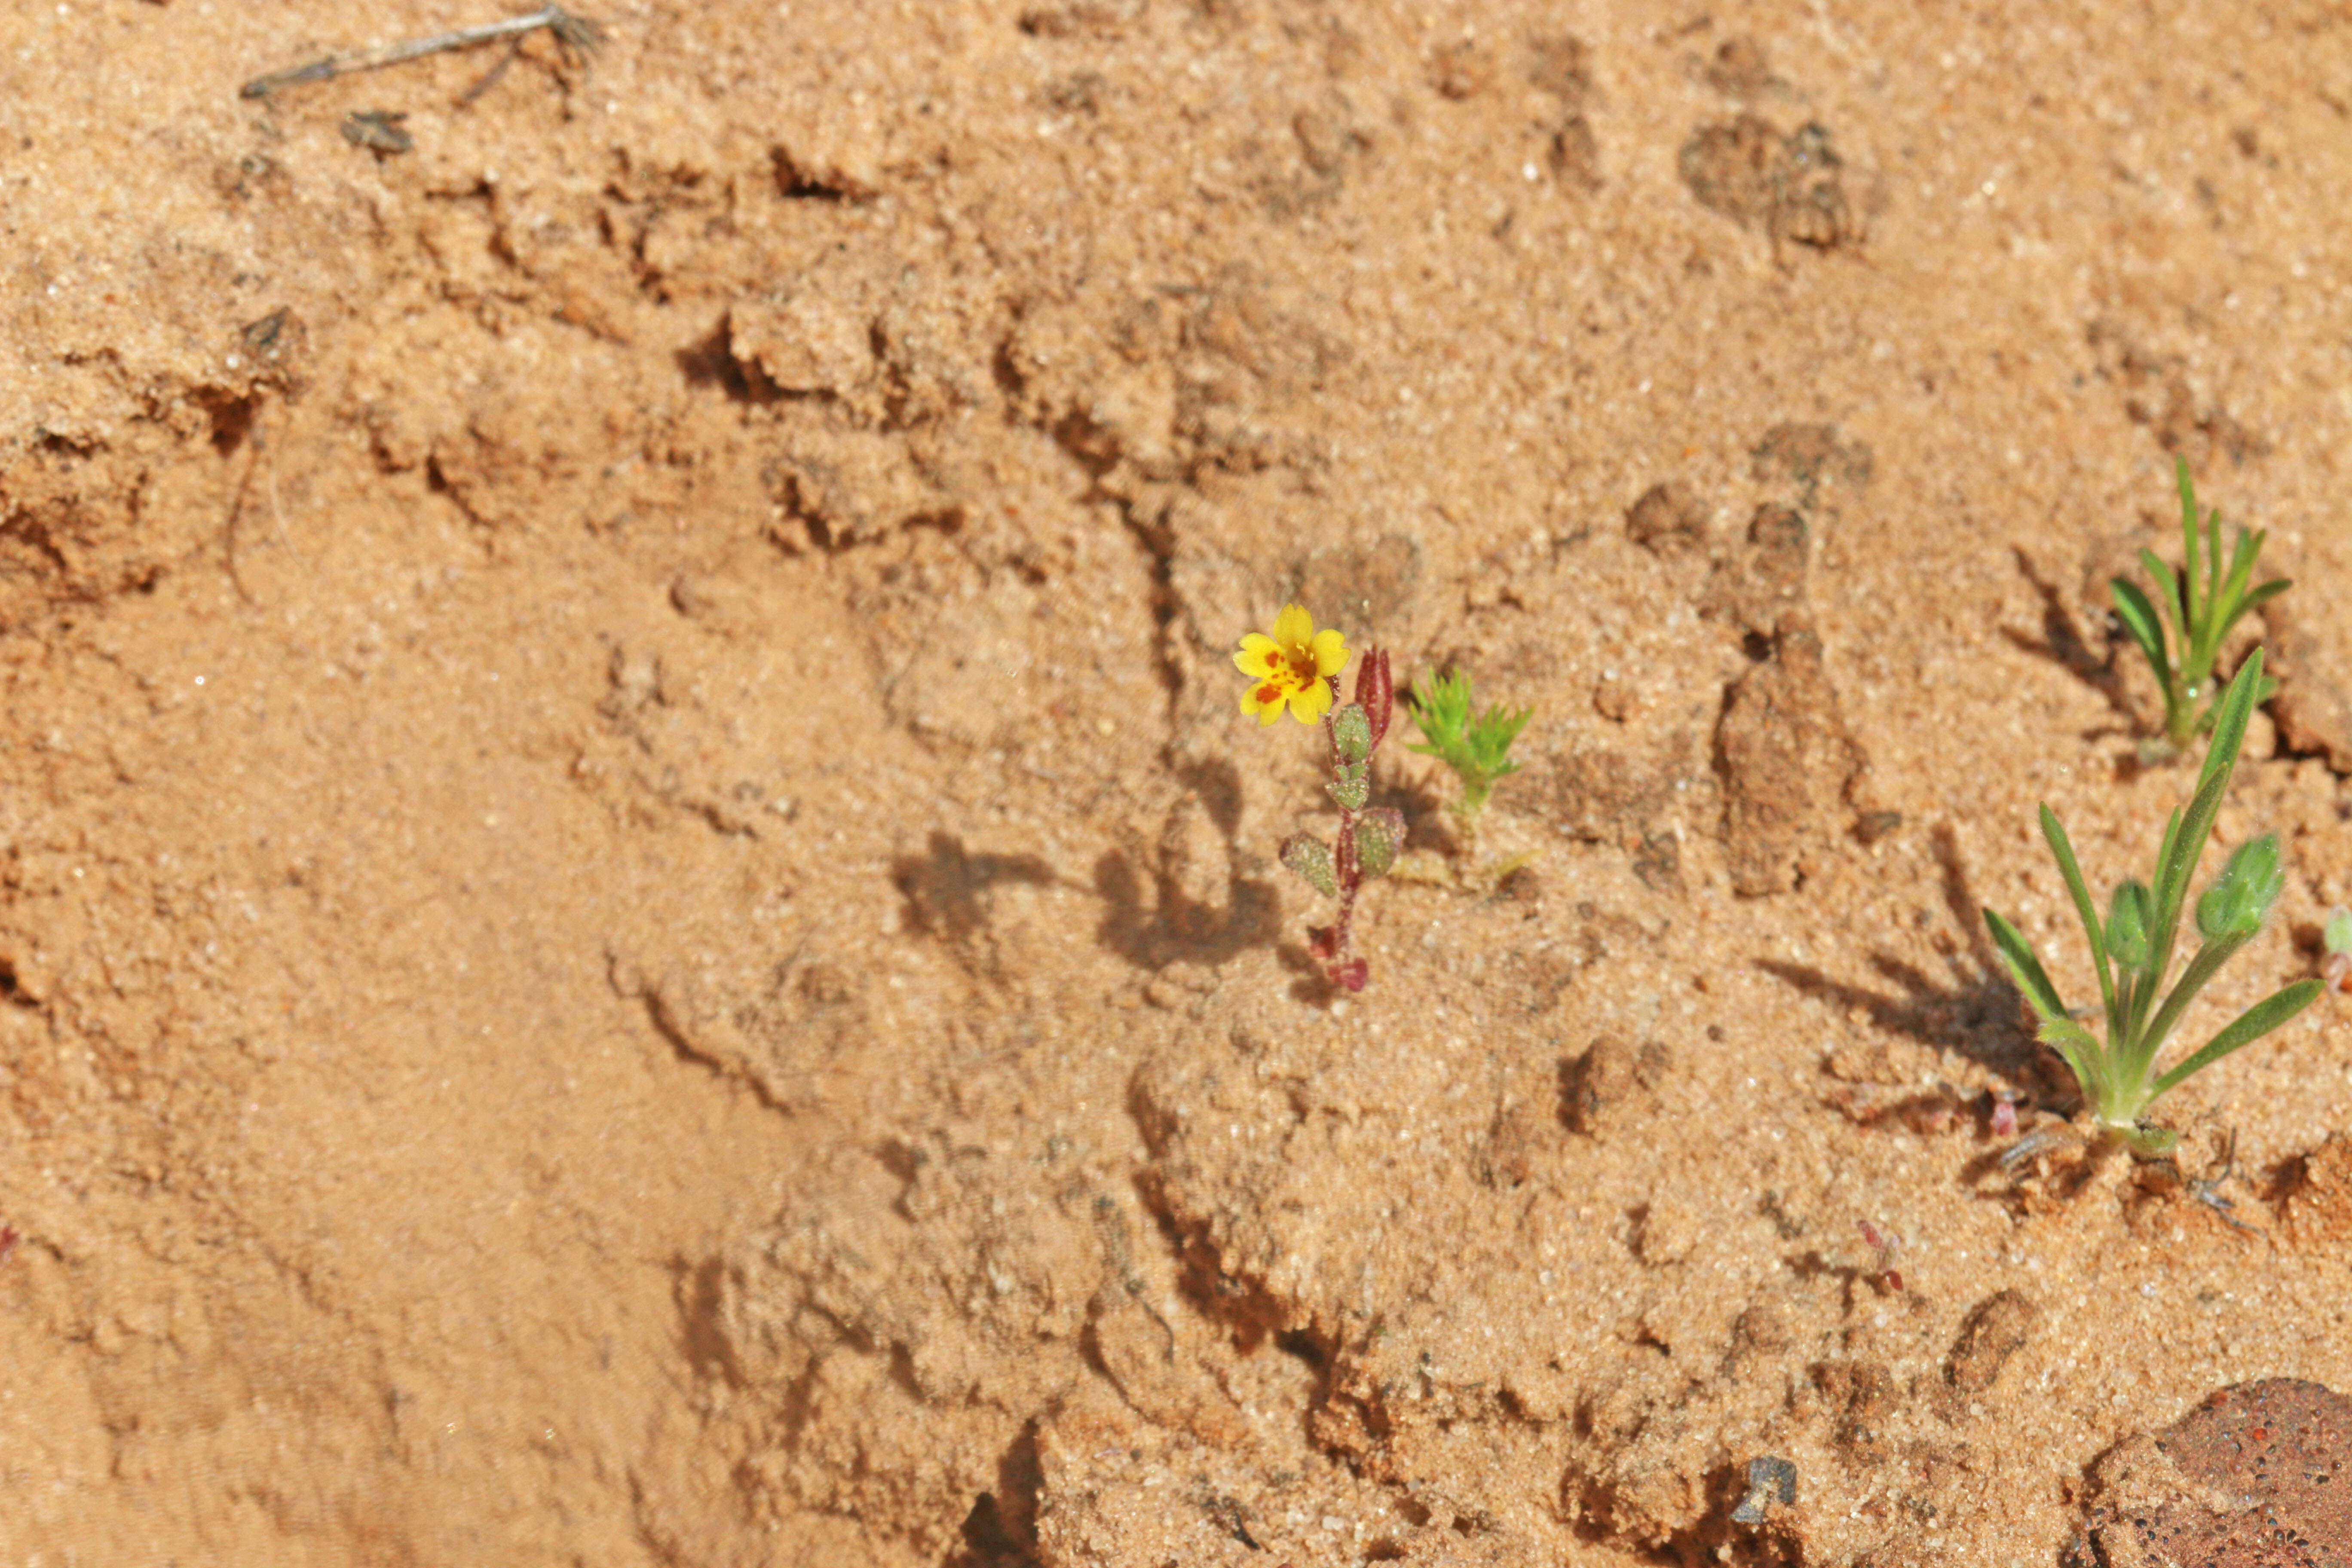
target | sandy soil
x=638, y=926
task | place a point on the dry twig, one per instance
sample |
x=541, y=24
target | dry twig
x=577, y=34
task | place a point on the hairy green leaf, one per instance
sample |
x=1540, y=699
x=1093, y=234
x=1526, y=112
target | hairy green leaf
x=2025, y=969
x=2248, y=1026
x=1310, y=858
x=1379, y=834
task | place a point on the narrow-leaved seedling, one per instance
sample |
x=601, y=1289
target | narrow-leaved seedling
x=1477, y=749
x=1297, y=668
x=2201, y=614
x=2132, y=950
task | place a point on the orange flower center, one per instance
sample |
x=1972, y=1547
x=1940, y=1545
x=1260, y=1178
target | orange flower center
x=1288, y=669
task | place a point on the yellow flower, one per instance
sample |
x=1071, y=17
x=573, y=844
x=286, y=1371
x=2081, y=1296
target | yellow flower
x=1294, y=665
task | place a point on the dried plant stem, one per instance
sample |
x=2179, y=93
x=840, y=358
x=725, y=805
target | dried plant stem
x=577, y=34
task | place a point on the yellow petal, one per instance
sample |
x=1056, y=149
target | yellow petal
x=1249, y=702
x=1256, y=654
x=1272, y=711
x=1294, y=628
x=1330, y=651
x=1310, y=704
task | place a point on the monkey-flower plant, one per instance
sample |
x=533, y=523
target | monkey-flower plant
x=1297, y=669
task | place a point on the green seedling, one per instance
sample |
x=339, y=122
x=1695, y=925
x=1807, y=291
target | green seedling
x=2336, y=969
x=2134, y=949
x=1477, y=749
x=2201, y=614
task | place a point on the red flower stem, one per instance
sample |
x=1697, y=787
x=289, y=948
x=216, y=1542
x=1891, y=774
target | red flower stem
x=1346, y=868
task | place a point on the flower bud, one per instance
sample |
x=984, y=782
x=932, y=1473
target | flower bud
x=1376, y=692
x=2127, y=921
x=2245, y=891
x=1352, y=733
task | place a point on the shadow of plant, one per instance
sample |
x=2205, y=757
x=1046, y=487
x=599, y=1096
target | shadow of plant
x=1001, y=1531
x=1973, y=1011
x=1173, y=924
x=948, y=891
x=2064, y=647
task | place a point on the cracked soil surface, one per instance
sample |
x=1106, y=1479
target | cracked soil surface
x=637, y=926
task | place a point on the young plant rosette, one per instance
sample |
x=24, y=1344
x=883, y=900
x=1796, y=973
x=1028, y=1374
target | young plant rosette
x=2202, y=604
x=2134, y=949
x=1476, y=746
x=1296, y=669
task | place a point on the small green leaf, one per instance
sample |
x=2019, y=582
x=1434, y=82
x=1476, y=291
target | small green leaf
x=2128, y=916
x=2141, y=1048
x=2055, y=833
x=1351, y=786
x=2338, y=933
x=2231, y=601
x=2269, y=590
x=2139, y=619
x=2186, y=846
x=2248, y=1026
x=2092, y=1069
x=2231, y=715
x=1379, y=834
x=2025, y=969
x=1310, y=858
x=1352, y=733
x=2241, y=562
x=2169, y=581
x=2188, y=571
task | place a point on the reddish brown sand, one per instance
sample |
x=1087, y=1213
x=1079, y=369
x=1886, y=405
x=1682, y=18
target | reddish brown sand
x=639, y=928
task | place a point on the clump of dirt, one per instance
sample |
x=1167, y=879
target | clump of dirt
x=637, y=923
x=2242, y=1477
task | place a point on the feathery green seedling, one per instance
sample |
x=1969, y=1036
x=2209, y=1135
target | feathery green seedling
x=1477, y=749
x=2133, y=948
x=2201, y=614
